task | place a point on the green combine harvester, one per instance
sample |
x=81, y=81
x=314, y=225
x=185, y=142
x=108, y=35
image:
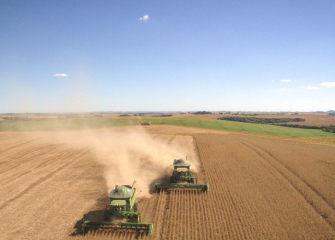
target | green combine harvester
x=122, y=212
x=182, y=177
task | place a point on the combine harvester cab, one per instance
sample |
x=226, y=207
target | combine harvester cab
x=121, y=213
x=182, y=178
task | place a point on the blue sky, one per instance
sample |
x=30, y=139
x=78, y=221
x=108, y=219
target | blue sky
x=167, y=55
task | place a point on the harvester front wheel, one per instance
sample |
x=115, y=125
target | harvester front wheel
x=106, y=215
x=135, y=207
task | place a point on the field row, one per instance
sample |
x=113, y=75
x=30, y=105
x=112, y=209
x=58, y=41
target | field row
x=260, y=188
x=254, y=194
x=256, y=198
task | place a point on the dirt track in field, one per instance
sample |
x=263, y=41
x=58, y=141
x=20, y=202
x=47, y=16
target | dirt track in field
x=260, y=188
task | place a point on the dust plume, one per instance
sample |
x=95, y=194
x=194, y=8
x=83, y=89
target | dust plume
x=127, y=155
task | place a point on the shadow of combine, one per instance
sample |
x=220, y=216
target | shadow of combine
x=164, y=179
x=96, y=215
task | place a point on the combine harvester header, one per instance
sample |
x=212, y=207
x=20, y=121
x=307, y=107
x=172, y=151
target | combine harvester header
x=122, y=207
x=182, y=178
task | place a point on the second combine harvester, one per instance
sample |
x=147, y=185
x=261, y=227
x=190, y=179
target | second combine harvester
x=182, y=178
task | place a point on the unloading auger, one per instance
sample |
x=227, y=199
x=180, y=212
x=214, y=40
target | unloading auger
x=121, y=213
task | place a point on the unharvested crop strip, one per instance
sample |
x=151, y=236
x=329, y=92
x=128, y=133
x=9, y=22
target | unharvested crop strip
x=213, y=199
x=224, y=197
x=197, y=152
x=211, y=168
x=217, y=202
x=206, y=212
x=238, y=213
x=264, y=230
x=294, y=181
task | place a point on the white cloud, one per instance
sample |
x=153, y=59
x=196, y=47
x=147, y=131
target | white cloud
x=286, y=80
x=328, y=84
x=144, y=18
x=60, y=75
x=311, y=87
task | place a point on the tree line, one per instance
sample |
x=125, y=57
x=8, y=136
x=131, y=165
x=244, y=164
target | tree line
x=261, y=120
x=202, y=112
x=279, y=122
x=163, y=115
x=330, y=128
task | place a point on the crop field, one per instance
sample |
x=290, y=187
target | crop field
x=261, y=187
x=184, y=121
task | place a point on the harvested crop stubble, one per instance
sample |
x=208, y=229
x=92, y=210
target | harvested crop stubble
x=47, y=187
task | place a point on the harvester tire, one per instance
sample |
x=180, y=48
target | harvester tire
x=136, y=207
x=106, y=216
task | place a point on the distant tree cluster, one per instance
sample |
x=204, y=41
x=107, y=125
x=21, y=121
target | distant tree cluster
x=23, y=119
x=261, y=120
x=16, y=118
x=331, y=114
x=163, y=115
x=124, y=115
x=279, y=122
x=300, y=126
x=27, y=119
x=330, y=128
x=249, y=114
x=202, y=113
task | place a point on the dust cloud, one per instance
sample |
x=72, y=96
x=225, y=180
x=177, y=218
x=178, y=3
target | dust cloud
x=127, y=155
